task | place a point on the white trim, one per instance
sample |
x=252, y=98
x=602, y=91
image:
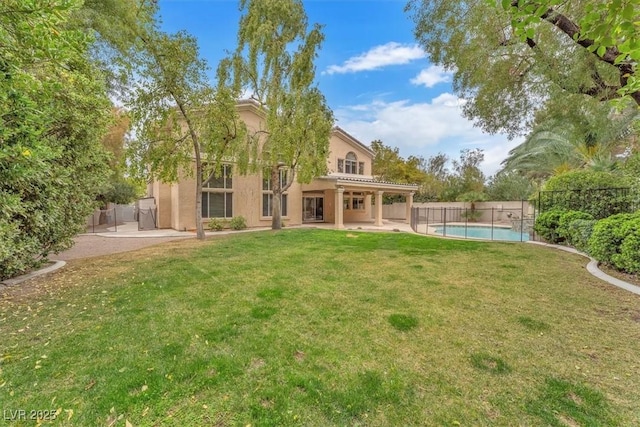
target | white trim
x=345, y=136
x=369, y=184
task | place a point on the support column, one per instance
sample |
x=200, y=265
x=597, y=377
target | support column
x=339, y=213
x=379, y=208
x=409, y=205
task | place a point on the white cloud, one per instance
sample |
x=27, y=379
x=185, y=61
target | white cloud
x=429, y=77
x=424, y=129
x=384, y=55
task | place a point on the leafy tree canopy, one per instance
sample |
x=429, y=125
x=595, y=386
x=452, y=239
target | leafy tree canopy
x=54, y=112
x=544, y=55
x=274, y=59
x=388, y=165
x=185, y=126
x=510, y=186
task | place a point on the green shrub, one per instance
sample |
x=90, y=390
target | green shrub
x=607, y=237
x=565, y=221
x=217, y=224
x=547, y=224
x=628, y=258
x=579, y=232
x=238, y=223
x=588, y=191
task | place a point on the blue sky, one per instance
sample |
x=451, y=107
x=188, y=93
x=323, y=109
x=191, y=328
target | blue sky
x=376, y=79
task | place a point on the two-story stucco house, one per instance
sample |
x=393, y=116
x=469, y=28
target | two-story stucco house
x=347, y=194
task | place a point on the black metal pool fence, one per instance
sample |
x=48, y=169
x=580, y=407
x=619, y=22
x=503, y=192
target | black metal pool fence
x=496, y=223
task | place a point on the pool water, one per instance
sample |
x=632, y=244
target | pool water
x=482, y=232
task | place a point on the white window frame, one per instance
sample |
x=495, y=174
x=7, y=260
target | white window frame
x=351, y=163
x=284, y=201
x=354, y=201
x=226, y=190
x=357, y=201
x=266, y=190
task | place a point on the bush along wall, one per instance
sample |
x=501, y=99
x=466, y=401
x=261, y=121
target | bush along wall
x=547, y=225
x=579, y=231
x=615, y=241
x=564, y=224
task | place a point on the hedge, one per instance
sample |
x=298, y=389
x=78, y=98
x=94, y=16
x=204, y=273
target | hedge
x=608, y=236
x=594, y=192
x=565, y=221
x=547, y=224
x=579, y=232
x=628, y=256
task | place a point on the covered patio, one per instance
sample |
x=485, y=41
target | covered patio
x=353, y=200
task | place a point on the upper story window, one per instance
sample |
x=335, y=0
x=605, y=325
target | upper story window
x=217, y=195
x=350, y=164
x=267, y=194
x=266, y=180
x=220, y=179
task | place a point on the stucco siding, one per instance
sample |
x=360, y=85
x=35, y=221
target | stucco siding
x=177, y=202
x=338, y=149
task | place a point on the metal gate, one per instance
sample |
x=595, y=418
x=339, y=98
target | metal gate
x=147, y=219
x=147, y=214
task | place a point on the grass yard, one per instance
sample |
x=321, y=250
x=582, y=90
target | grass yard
x=320, y=327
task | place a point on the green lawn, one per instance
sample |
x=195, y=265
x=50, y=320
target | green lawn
x=320, y=327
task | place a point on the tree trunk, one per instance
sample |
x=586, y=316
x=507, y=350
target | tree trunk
x=196, y=151
x=276, y=211
x=199, y=227
x=102, y=219
x=276, y=201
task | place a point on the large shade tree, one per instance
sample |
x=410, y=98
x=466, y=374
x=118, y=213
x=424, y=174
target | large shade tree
x=510, y=186
x=535, y=55
x=185, y=126
x=274, y=60
x=115, y=26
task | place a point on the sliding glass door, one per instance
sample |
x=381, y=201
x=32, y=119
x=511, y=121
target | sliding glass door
x=312, y=209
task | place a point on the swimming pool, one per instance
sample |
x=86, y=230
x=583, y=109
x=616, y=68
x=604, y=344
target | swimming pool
x=481, y=232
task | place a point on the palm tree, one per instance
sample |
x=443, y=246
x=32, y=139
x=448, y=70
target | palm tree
x=555, y=147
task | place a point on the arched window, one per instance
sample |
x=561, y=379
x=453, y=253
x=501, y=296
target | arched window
x=351, y=163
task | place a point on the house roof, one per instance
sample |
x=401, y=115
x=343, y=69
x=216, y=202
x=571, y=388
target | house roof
x=251, y=105
x=352, y=140
x=369, y=183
